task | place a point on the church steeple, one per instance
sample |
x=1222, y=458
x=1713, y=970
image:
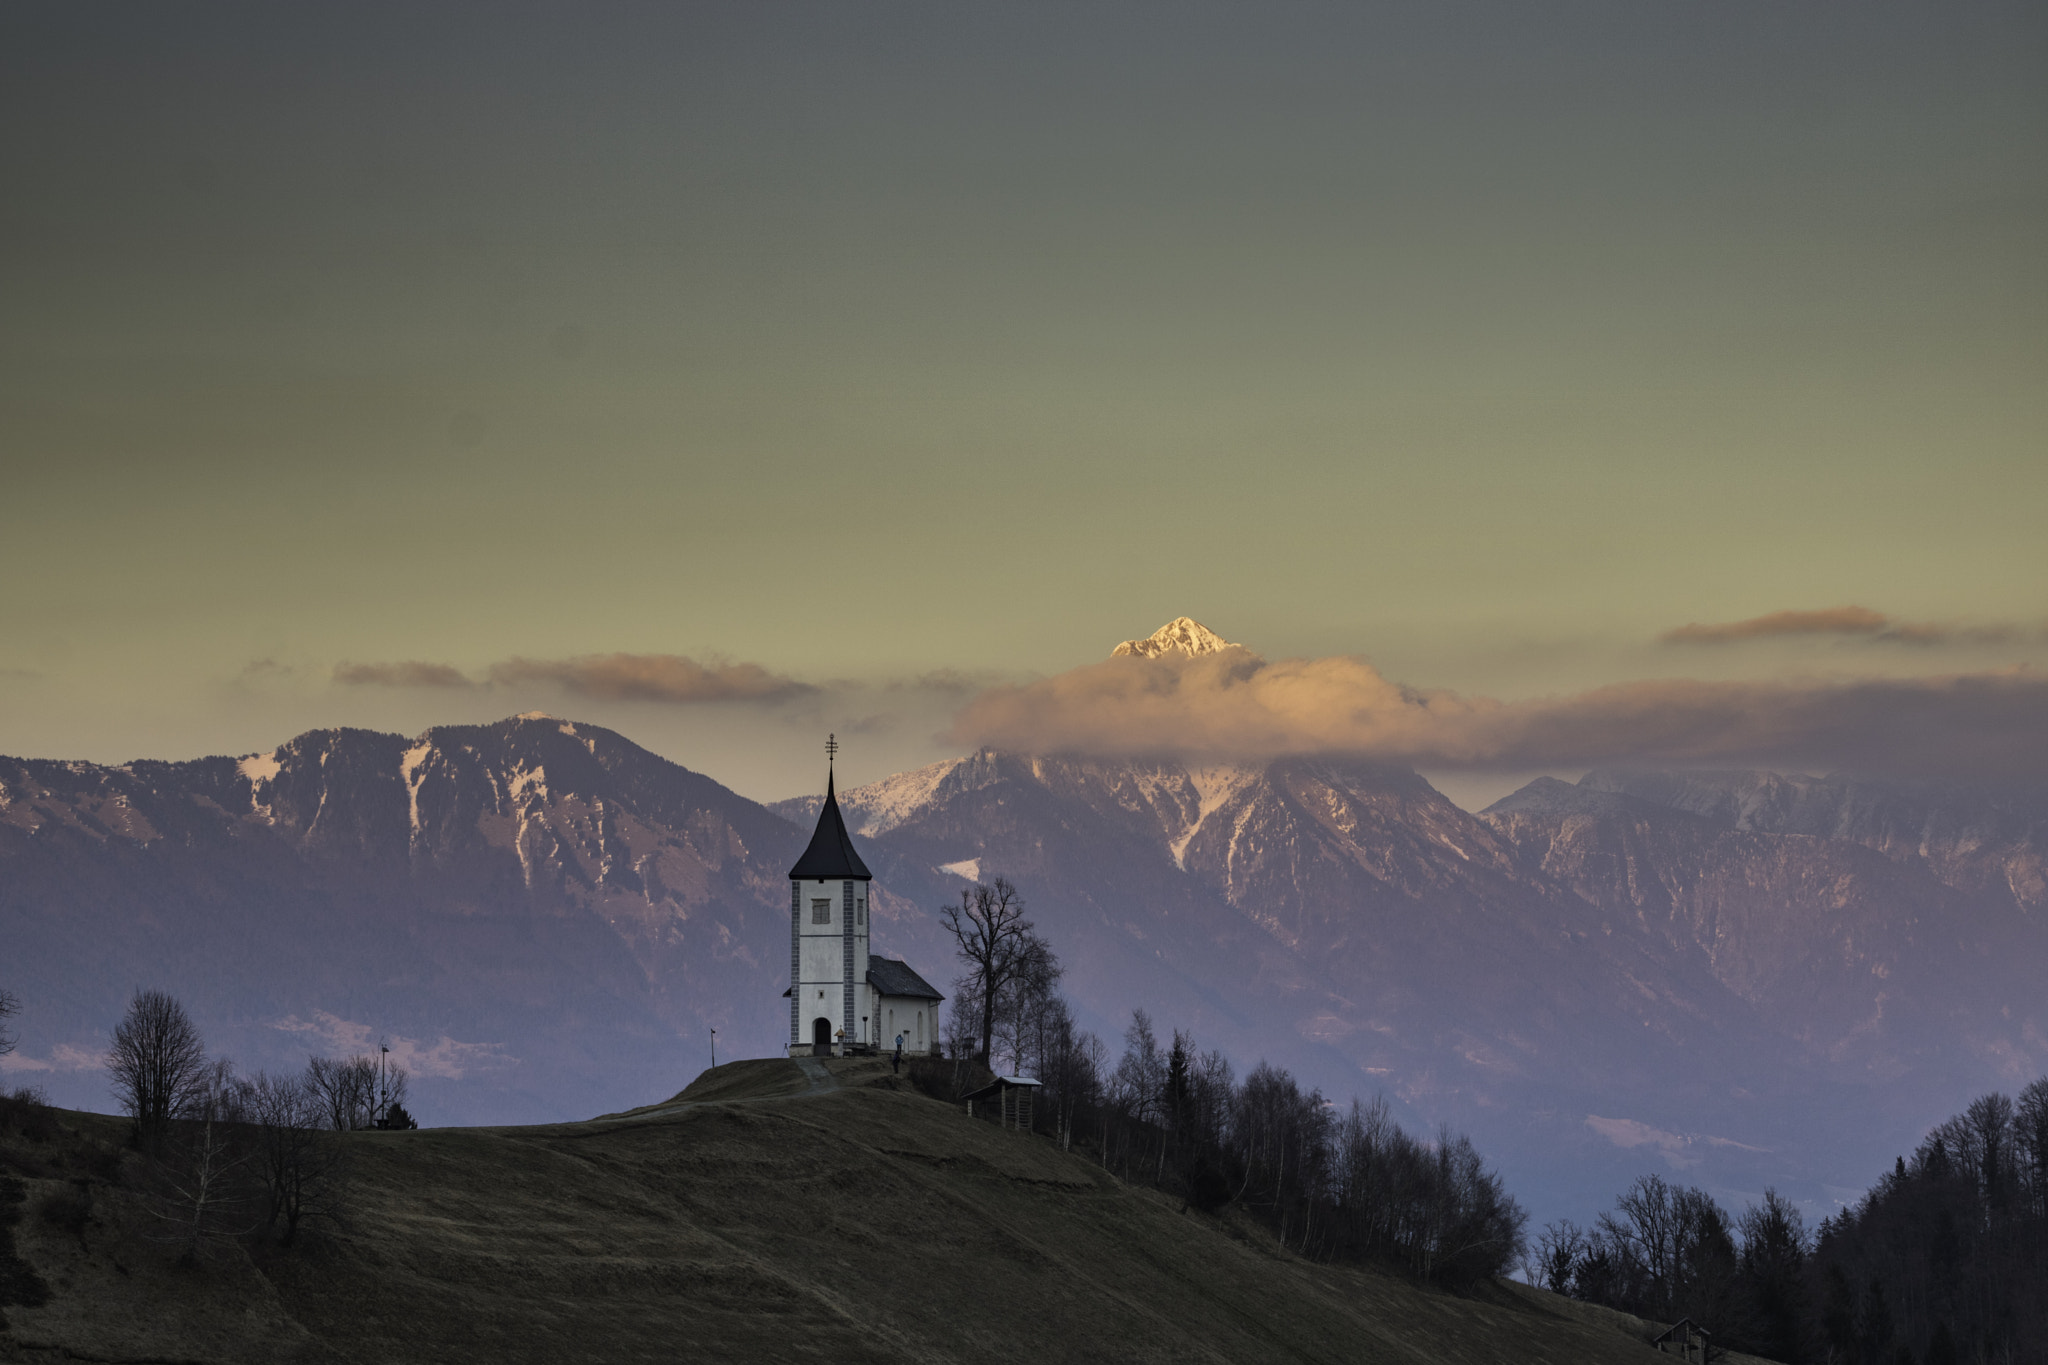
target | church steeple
x=831, y=856
x=841, y=998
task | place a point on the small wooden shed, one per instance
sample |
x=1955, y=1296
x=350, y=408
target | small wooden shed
x=1009, y=1098
x=1684, y=1339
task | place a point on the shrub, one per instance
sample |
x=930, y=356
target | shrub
x=946, y=1080
x=68, y=1210
x=26, y=1111
x=19, y=1283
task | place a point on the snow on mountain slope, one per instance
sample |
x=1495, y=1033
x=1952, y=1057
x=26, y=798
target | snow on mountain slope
x=1989, y=838
x=552, y=897
x=553, y=917
x=1574, y=946
x=1915, y=970
x=1182, y=635
x=881, y=806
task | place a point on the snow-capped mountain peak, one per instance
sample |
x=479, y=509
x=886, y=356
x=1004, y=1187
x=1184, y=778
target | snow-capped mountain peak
x=1182, y=635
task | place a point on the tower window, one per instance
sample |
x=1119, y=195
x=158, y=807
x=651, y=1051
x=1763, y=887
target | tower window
x=821, y=912
x=860, y=912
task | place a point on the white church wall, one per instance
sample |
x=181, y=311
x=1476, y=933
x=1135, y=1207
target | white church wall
x=910, y=1016
x=822, y=933
x=860, y=931
x=821, y=958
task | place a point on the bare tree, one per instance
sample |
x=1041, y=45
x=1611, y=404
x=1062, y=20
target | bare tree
x=1140, y=1078
x=1559, y=1249
x=963, y=1021
x=345, y=1091
x=1644, y=1231
x=995, y=941
x=157, y=1064
x=1065, y=1067
x=391, y=1092
x=201, y=1189
x=302, y=1165
x=10, y=1005
x=2030, y=1129
x=1023, y=1007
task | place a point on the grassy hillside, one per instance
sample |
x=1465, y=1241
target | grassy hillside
x=761, y=1215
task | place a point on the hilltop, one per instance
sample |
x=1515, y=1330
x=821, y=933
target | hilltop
x=761, y=1214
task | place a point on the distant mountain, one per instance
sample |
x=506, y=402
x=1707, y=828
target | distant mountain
x=1182, y=635
x=1351, y=904
x=1984, y=839
x=1753, y=979
x=1883, y=957
x=1591, y=979
x=549, y=916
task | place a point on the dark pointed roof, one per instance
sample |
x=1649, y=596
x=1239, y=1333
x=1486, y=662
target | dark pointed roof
x=830, y=857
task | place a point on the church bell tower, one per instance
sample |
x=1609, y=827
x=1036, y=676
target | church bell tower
x=829, y=999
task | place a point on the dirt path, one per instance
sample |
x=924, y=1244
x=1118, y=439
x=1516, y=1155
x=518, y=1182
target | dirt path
x=821, y=1079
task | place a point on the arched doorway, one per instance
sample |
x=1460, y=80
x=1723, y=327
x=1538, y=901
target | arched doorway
x=821, y=1037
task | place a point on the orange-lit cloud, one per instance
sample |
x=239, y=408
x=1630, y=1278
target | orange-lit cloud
x=652, y=677
x=607, y=677
x=1858, y=622
x=408, y=673
x=1237, y=705
x=1827, y=621
x=954, y=680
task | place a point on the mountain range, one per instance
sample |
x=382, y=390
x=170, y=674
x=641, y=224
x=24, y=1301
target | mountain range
x=1740, y=978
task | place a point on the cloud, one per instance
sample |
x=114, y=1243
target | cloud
x=409, y=673
x=1677, y=1149
x=1852, y=621
x=444, y=1058
x=652, y=677
x=607, y=677
x=1931, y=633
x=959, y=682
x=1239, y=706
x=63, y=1057
x=1827, y=621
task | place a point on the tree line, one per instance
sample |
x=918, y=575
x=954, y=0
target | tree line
x=1943, y=1260
x=1330, y=1182
x=231, y=1154
x=226, y=1155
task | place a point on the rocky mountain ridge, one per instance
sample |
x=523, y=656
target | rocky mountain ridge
x=1182, y=635
x=1573, y=951
x=536, y=908
x=1981, y=838
x=546, y=920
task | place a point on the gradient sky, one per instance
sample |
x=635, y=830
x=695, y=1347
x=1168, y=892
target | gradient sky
x=865, y=342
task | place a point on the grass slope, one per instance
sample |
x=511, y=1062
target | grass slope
x=759, y=1216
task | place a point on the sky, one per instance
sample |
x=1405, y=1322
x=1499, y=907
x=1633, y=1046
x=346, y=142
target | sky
x=733, y=374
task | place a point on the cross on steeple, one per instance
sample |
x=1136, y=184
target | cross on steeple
x=831, y=748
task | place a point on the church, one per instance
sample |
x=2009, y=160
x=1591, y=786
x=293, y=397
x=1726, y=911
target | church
x=842, y=998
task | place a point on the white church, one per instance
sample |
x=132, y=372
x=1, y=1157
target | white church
x=842, y=998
